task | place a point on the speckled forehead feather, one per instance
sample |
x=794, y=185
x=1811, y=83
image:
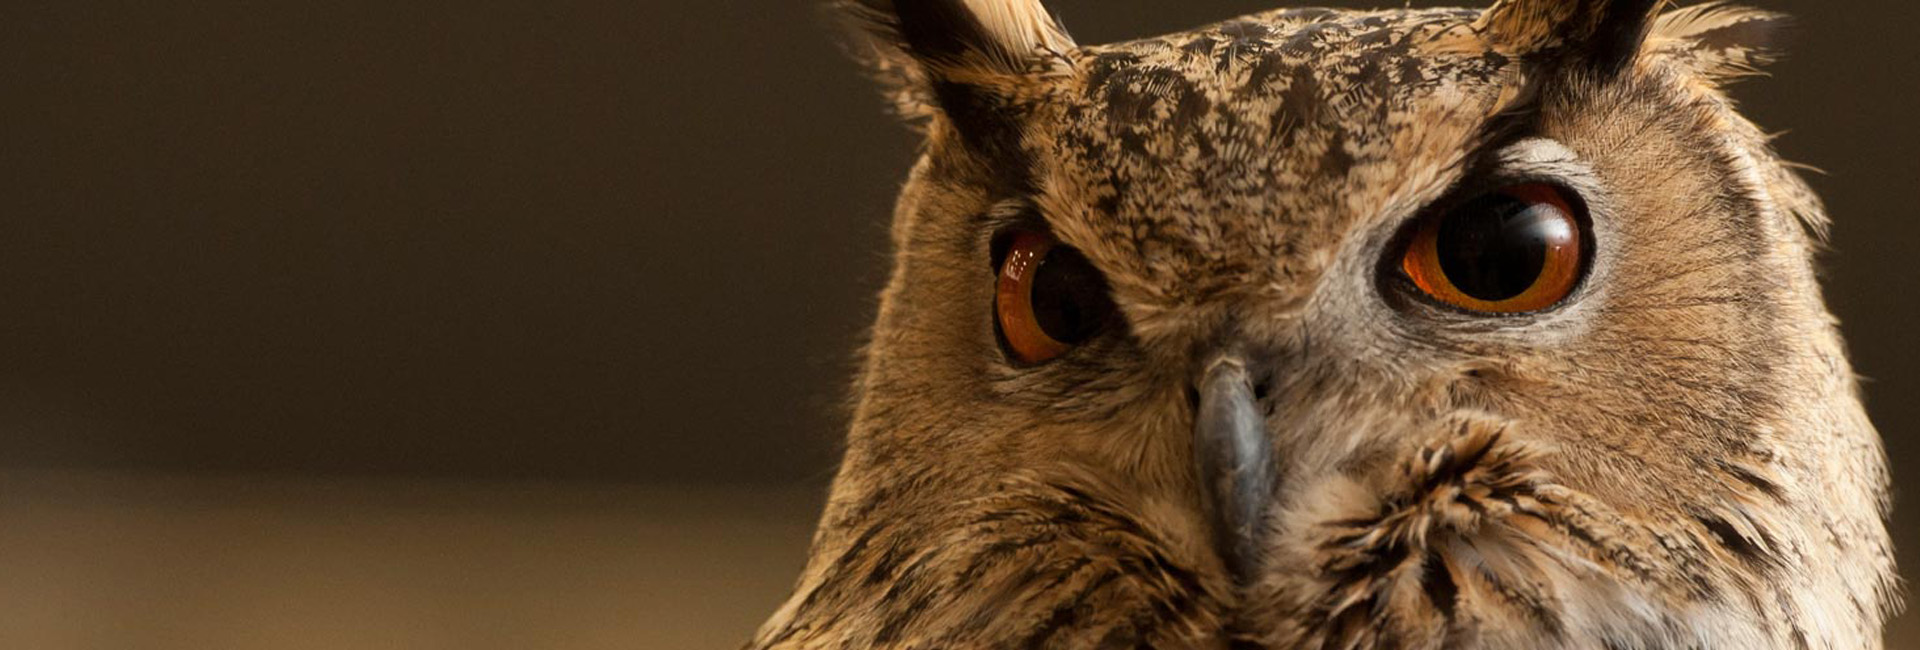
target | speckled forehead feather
x=1211, y=160
x=1238, y=157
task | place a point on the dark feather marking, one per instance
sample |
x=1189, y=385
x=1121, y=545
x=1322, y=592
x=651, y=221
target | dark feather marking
x=1793, y=623
x=1104, y=67
x=1068, y=612
x=939, y=30
x=1200, y=47
x=882, y=569
x=1246, y=30
x=1755, y=552
x=843, y=568
x=1161, y=566
x=983, y=617
x=1622, y=28
x=1529, y=604
x=1063, y=574
x=1439, y=586
x=900, y=614
x=1127, y=635
x=1763, y=484
x=999, y=550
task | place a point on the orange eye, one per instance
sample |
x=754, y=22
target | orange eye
x=1048, y=299
x=1515, y=250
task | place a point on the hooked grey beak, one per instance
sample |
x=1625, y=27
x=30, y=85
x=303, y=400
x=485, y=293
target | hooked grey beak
x=1235, y=462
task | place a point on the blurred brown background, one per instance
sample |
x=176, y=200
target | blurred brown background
x=511, y=325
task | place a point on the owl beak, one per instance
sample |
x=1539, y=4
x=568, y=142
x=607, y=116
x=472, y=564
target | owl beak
x=1235, y=463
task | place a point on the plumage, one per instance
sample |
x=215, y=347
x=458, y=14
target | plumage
x=1670, y=455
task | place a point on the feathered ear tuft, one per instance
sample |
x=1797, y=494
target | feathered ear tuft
x=1604, y=34
x=929, y=51
x=1719, y=41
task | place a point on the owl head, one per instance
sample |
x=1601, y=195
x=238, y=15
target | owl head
x=1347, y=329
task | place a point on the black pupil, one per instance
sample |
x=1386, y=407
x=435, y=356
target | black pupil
x=1494, y=248
x=1069, y=297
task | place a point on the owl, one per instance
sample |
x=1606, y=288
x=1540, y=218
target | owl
x=1323, y=329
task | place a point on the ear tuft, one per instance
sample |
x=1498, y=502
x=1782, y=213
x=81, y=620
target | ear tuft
x=1605, y=34
x=967, y=67
x=1018, y=32
x=1720, y=41
x=918, y=46
x=874, y=38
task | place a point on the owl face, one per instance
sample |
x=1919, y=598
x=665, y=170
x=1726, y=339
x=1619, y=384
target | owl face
x=1431, y=328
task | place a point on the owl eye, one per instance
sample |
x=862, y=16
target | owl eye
x=1048, y=299
x=1514, y=250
